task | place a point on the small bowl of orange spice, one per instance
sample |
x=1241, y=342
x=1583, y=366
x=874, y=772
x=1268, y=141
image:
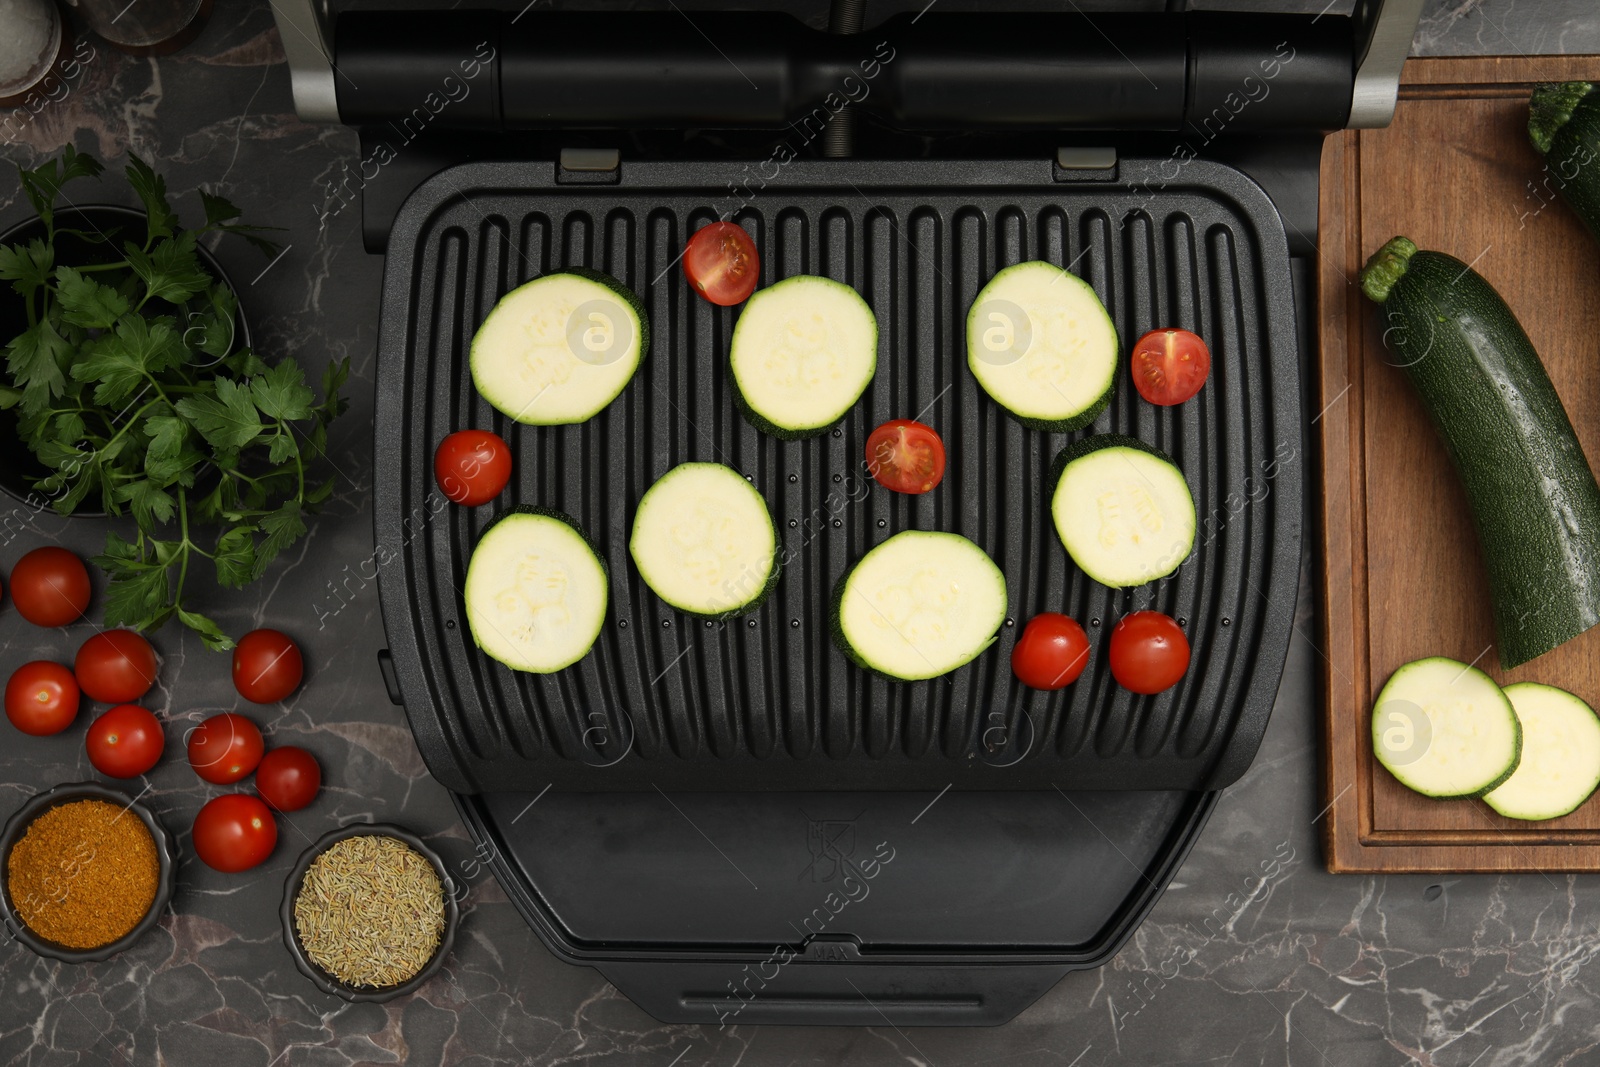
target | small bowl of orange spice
x=85, y=871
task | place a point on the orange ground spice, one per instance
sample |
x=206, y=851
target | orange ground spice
x=84, y=873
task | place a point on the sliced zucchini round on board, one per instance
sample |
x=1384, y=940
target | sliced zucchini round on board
x=919, y=605
x=1445, y=729
x=536, y=591
x=803, y=352
x=704, y=542
x=1122, y=509
x=1041, y=344
x=1560, y=765
x=560, y=348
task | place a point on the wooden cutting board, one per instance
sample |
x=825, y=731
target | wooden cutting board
x=1402, y=572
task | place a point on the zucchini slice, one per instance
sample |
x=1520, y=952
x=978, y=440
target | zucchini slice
x=1445, y=729
x=803, y=352
x=536, y=591
x=703, y=540
x=560, y=348
x=919, y=605
x=1534, y=499
x=1041, y=344
x=1122, y=509
x=1560, y=764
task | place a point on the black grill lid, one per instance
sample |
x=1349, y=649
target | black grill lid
x=768, y=702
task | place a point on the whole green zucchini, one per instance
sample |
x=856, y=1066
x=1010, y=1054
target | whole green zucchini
x=1564, y=125
x=1534, y=499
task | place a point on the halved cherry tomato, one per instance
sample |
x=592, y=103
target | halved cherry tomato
x=225, y=748
x=50, y=586
x=1170, y=366
x=721, y=263
x=472, y=466
x=1051, y=653
x=288, y=778
x=115, y=666
x=1149, y=652
x=125, y=742
x=234, y=832
x=906, y=456
x=267, y=666
x=41, y=698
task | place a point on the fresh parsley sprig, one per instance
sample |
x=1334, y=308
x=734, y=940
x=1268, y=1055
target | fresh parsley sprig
x=130, y=389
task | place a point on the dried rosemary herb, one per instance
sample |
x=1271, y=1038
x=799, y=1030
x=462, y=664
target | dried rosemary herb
x=83, y=874
x=370, y=911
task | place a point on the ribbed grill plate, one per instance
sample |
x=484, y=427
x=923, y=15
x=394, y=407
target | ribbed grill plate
x=767, y=701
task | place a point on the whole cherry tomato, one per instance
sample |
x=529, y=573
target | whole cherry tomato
x=234, y=832
x=50, y=586
x=267, y=666
x=472, y=466
x=288, y=778
x=125, y=742
x=225, y=748
x=1149, y=652
x=115, y=667
x=41, y=698
x=1051, y=653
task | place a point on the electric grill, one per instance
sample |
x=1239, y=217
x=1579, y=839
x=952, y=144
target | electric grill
x=728, y=820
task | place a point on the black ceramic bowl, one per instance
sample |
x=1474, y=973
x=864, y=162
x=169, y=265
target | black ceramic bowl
x=18, y=466
x=18, y=824
x=327, y=982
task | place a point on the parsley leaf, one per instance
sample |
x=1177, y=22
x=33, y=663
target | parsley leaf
x=152, y=190
x=120, y=363
x=236, y=557
x=282, y=528
x=34, y=359
x=26, y=266
x=138, y=594
x=281, y=393
x=172, y=272
x=228, y=420
x=43, y=184
x=87, y=303
x=211, y=634
x=219, y=215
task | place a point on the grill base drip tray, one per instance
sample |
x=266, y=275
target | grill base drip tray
x=835, y=908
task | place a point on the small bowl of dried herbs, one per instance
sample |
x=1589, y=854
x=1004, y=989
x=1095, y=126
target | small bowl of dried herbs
x=368, y=912
x=85, y=871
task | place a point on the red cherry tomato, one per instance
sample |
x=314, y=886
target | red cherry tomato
x=234, y=832
x=721, y=263
x=266, y=666
x=1170, y=366
x=472, y=466
x=225, y=748
x=125, y=742
x=288, y=778
x=115, y=667
x=41, y=698
x=906, y=456
x=50, y=586
x=1149, y=652
x=1051, y=653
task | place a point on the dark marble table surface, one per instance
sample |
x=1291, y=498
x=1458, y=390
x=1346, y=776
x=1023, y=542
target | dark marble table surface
x=1304, y=967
